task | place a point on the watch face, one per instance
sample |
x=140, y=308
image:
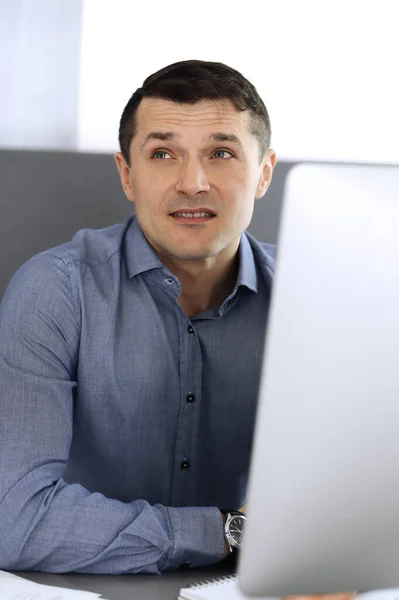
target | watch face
x=236, y=527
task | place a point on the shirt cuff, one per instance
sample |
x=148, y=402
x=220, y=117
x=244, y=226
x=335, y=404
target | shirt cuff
x=197, y=535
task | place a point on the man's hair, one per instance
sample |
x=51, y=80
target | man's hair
x=191, y=81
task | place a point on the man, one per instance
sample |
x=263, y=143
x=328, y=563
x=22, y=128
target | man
x=130, y=357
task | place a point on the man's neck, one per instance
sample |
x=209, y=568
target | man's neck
x=204, y=290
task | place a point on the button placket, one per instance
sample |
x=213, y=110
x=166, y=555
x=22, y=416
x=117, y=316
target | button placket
x=185, y=449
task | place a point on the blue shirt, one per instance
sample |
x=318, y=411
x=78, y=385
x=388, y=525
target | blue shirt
x=125, y=425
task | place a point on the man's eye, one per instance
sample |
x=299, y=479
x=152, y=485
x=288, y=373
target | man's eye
x=164, y=152
x=159, y=152
x=228, y=151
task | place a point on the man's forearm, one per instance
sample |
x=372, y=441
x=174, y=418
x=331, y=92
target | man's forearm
x=63, y=528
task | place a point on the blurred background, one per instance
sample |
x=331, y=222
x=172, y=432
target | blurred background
x=327, y=72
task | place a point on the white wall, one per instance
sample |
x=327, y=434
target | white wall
x=39, y=58
x=327, y=71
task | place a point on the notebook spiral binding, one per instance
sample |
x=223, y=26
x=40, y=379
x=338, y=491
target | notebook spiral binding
x=211, y=582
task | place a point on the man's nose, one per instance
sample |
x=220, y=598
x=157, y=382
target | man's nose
x=192, y=178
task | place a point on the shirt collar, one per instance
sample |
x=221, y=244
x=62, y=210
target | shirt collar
x=141, y=257
x=247, y=269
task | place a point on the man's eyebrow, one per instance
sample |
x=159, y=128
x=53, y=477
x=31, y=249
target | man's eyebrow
x=166, y=136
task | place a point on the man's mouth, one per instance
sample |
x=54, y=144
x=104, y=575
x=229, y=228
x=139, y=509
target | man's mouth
x=198, y=216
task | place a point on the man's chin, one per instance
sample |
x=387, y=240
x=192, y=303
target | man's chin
x=184, y=251
x=190, y=256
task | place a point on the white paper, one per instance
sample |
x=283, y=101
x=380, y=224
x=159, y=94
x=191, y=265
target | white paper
x=13, y=587
x=387, y=594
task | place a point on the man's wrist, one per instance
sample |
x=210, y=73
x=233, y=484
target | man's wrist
x=233, y=522
x=227, y=548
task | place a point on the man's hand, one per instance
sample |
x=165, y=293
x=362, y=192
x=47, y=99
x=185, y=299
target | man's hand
x=343, y=596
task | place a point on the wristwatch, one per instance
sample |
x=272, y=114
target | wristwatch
x=233, y=528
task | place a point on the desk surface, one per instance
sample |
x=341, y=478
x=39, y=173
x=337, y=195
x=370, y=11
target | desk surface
x=131, y=587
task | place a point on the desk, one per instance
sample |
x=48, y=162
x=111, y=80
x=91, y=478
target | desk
x=131, y=587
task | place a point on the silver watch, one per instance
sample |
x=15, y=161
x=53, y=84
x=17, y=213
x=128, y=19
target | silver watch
x=233, y=528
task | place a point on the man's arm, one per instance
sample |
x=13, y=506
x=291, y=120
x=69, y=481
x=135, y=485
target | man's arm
x=45, y=523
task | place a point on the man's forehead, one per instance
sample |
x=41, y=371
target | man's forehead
x=157, y=111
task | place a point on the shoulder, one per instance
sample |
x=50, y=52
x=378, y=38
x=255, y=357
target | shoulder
x=90, y=246
x=47, y=275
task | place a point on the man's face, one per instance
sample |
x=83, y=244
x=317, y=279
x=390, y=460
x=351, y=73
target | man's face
x=193, y=171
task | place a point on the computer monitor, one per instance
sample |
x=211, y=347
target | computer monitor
x=323, y=499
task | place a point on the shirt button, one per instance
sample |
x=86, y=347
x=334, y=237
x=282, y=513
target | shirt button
x=185, y=565
x=185, y=464
x=190, y=329
x=190, y=398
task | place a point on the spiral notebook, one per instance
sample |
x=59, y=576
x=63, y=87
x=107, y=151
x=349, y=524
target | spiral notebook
x=226, y=588
x=222, y=588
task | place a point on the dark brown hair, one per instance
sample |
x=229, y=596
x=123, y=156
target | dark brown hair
x=191, y=81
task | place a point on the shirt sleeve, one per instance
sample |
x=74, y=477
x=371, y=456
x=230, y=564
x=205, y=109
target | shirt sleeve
x=47, y=524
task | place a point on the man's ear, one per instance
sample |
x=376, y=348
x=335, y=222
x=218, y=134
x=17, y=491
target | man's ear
x=124, y=173
x=269, y=163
